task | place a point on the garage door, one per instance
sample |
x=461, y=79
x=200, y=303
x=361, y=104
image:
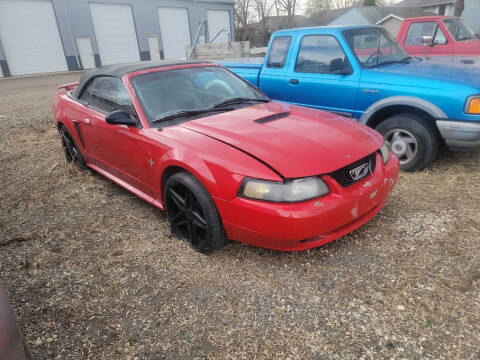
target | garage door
x=115, y=33
x=218, y=20
x=175, y=30
x=30, y=37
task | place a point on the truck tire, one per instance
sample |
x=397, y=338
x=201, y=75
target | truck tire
x=413, y=140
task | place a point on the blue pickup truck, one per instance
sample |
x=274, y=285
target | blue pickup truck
x=363, y=73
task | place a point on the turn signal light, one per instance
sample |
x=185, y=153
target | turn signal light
x=474, y=106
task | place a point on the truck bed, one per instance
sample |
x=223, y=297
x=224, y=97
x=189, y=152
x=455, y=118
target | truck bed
x=248, y=68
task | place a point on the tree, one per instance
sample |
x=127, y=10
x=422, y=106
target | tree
x=459, y=6
x=369, y=3
x=342, y=4
x=263, y=8
x=316, y=7
x=242, y=11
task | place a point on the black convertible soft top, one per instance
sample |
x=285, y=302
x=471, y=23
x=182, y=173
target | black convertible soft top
x=118, y=70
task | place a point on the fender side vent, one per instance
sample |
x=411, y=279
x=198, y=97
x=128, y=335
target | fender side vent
x=269, y=118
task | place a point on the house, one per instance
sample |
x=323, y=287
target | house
x=440, y=7
x=41, y=36
x=388, y=16
x=447, y=7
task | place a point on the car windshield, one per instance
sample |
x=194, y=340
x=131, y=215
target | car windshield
x=191, y=91
x=458, y=29
x=374, y=47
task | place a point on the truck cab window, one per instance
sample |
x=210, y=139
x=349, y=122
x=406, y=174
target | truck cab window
x=427, y=28
x=321, y=54
x=278, y=52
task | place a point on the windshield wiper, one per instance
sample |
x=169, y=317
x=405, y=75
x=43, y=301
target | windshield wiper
x=186, y=113
x=239, y=100
x=404, y=60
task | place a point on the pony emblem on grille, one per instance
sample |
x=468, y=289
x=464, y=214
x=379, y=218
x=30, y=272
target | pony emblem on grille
x=360, y=171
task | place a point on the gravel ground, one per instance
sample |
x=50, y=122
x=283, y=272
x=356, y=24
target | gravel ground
x=94, y=273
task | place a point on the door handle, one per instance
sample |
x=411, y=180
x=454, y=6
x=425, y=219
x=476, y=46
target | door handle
x=294, y=81
x=87, y=121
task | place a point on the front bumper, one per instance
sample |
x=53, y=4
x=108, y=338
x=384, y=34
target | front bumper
x=460, y=135
x=310, y=223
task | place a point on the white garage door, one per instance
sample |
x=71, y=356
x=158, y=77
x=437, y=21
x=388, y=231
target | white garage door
x=30, y=37
x=218, y=20
x=115, y=33
x=175, y=30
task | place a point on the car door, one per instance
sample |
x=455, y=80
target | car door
x=441, y=46
x=119, y=150
x=321, y=76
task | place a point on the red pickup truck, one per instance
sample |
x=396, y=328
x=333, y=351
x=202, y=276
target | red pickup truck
x=440, y=38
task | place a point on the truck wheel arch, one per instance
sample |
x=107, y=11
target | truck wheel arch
x=400, y=104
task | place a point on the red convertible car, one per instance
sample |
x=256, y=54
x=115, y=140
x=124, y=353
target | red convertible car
x=223, y=160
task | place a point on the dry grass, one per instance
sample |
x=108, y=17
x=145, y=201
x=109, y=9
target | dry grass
x=93, y=272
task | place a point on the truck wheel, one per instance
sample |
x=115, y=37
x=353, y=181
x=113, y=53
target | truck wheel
x=414, y=141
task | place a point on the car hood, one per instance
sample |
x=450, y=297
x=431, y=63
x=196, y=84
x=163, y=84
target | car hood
x=293, y=140
x=426, y=74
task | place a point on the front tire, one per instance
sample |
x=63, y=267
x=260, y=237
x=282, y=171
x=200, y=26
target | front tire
x=192, y=213
x=414, y=141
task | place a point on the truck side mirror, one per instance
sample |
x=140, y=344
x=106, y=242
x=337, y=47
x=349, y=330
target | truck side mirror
x=427, y=41
x=340, y=66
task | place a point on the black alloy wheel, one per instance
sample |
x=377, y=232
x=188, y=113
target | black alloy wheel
x=192, y=213
x=70, y=149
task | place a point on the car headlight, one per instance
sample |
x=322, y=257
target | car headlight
x=289, y=191
x=385, y=153
x=473, y=105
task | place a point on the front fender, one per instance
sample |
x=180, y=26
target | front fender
x=431, y=109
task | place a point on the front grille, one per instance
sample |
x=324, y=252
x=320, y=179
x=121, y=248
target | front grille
x=343, y=177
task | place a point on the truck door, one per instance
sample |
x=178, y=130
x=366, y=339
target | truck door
x=321, y=76
x=272, y=79
x=441, y=46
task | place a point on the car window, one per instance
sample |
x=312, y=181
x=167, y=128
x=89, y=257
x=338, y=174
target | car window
x=109, y=94
x=320, y=54
x=427, y=28
x=85, y=97
x=278, y=52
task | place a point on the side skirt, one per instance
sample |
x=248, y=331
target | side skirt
x=127, y=186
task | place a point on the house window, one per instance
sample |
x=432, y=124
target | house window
x=441, y=9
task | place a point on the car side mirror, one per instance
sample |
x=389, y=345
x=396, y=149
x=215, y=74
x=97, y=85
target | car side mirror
x=120, y=117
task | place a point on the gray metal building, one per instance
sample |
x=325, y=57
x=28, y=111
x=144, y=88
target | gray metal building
x=39, y=36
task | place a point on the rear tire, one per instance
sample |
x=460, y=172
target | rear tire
x=70, y=149
x=192, y=213
x=413, y=140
